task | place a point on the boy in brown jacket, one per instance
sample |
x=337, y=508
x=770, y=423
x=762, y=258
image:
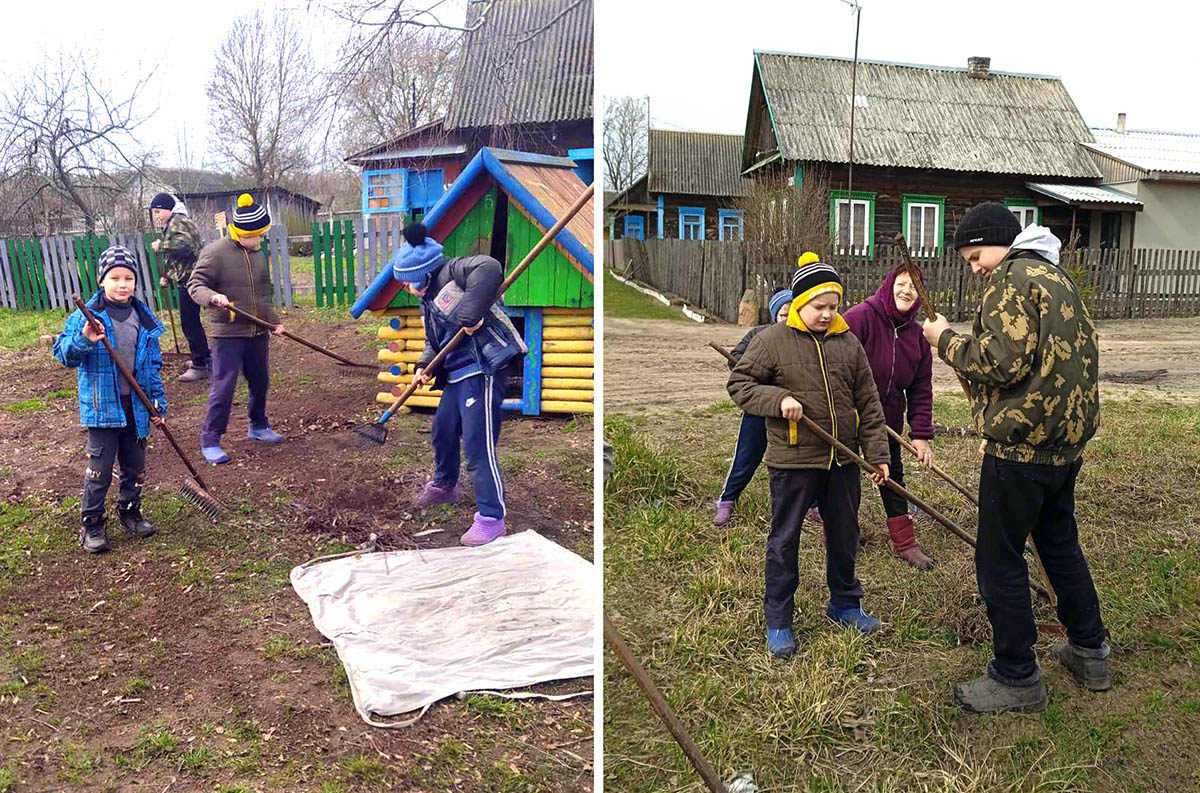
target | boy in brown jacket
x=812, y=366
x=234, y=271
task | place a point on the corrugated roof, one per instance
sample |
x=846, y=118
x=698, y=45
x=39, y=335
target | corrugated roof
x=1084, y=194
x=695, y=163
x=1167, y=152
x=923, y=117
x=530, y=61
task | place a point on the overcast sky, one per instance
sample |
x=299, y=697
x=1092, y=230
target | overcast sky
x=694, y=59
x=180, y=36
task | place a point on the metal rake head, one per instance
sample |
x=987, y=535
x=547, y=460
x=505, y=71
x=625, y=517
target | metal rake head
x=374, y=433
x=208, y=503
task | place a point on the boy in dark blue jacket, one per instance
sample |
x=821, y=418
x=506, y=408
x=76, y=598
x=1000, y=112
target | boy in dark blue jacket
x=461, y=293
x=118, y=424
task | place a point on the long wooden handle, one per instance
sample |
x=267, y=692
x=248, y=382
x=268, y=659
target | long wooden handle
x=660, y=706
x=137, y=389
x=312, y=346
x=918, y=282
x=546, y=239
x=913, y=450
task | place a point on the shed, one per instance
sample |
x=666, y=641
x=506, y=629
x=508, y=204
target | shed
x=501, y=205
x=296, y=211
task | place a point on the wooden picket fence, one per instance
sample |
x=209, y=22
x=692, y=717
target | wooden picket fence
x=42, y=273
x=348, y=255
x=1116, y=284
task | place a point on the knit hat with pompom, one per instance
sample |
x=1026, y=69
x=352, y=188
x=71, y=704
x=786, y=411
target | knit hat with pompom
x=249, y=217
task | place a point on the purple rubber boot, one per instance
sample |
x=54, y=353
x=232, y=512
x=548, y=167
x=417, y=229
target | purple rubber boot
x=483, y=530
x=724, y=513
x=433, y=495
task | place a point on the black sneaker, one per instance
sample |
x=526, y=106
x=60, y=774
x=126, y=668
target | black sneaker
x=93, y=533
x=133, y=521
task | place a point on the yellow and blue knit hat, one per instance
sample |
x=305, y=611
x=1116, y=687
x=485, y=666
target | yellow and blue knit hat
x=249, y=217
x=813, y=277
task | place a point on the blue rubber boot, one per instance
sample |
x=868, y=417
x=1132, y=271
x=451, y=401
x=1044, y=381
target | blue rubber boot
x=855, y=618
x=780, y=642
x=265, y=434
x=214, y=454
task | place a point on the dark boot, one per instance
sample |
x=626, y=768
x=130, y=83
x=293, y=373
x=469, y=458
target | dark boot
x=1090, y=667
x=93, y=533
x=904, y=542
x=131, y=518
x=987, y=695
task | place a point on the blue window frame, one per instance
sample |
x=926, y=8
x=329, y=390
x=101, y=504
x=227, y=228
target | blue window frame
x=584, y=163
x=385, y=191
x=691, y=223
x=729, y=225
x=424, y=189
x=635, y=227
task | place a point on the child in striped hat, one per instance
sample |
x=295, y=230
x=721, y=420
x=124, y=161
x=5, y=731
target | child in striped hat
x=812, y=366
x=117, y=423
x=234, y=271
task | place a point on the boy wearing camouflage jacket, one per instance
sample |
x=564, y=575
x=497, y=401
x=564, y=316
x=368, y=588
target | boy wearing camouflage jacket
x=178, y=250
x=1031, y=363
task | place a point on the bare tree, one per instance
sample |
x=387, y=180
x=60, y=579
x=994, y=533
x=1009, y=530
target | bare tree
x=783, y=220
x=625, y=133
x=69, y=145
x=264, y=95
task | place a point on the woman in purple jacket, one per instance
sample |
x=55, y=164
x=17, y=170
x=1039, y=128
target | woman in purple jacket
x=901, y=360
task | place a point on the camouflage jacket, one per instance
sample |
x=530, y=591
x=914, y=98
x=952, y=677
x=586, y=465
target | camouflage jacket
x=1032, y=363
x=179, y=249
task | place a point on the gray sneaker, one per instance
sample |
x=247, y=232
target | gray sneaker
x=194, y=374
x=1090, y=667
x=986, y=695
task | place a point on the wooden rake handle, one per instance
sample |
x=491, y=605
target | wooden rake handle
x=662, y=709
x=133, y=384
x=324, y=351
x=913, y=450
x=546, y=239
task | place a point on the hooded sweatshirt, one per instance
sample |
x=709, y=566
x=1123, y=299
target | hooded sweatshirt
x=901, y=359
x=1032, y=358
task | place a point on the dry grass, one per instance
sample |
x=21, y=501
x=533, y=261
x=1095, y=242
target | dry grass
x=877, y=714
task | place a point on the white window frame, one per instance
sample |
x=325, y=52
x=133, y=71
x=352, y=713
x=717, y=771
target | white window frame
x=917, y=234
x=1019, y=213
x=837, y=226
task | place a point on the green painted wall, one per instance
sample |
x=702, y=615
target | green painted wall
x=473, y=235
x=551, y=280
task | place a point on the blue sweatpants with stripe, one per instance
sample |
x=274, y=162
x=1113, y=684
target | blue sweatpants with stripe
x=470, y=412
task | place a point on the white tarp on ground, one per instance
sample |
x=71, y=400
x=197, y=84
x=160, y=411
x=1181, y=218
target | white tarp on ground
x=413, y=627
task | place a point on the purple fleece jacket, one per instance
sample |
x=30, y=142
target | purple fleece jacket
x=901, y=359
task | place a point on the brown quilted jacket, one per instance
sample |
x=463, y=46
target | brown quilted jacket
x=241, y=275
x=830, y=376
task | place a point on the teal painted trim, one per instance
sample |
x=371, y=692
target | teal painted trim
x=940, y=201
x=722, y=214
x=366, y=190
x=842, y=195
x=762, y=84
x=691, y=212
x=661, y=203
x=799, y=176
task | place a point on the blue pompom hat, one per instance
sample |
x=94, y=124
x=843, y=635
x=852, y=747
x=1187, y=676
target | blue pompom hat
x=419, y=257
x=778, y=301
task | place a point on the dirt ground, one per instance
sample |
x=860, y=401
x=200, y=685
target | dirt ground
x=662, y=365
x=196, y=634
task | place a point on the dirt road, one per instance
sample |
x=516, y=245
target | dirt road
x=660, y=365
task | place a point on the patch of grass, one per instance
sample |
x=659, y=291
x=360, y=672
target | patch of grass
x=363, y=769
x=156, y=744
x=197, y=760
x=491, y=706
x=624, y=302
x=8, y=780
x=28, y=530
x=135, y=686
x=19, y=330
x=31, y=405
x=283, y=646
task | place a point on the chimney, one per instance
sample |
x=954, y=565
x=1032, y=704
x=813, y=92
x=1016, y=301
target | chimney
x=1120, y=122
x=979, y=68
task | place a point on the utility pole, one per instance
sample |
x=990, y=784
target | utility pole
x=853, y=104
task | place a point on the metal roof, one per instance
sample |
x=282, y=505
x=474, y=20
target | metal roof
x=1166, y=152
x=529, y=61
x=922, y=117
x=694, y=163
x=1078, y=194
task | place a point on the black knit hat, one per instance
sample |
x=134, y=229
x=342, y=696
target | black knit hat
x=250, y=217
x=163, y=201
x=114, y=257
x=813, y=277
x=987, y=224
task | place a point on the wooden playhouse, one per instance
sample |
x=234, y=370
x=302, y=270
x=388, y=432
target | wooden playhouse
x=501, y=205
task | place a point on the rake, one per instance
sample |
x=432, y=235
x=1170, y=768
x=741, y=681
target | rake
x=376, y=432
x=311, y=345
x=193, y=489
x=950, y=525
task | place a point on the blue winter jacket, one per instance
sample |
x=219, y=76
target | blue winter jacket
x=99, y=392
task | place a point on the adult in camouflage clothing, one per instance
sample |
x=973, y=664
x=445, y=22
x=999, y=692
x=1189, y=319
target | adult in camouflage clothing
x=178, y=250
x=1031, y=364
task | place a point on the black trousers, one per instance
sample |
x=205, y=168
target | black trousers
x=231, y=357
x=104, y=446
x=1017, y=500
x=836, y=493
x=894, y=504
x=193, y=328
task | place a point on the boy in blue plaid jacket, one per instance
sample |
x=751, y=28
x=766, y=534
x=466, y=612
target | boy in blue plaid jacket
x=118, y=423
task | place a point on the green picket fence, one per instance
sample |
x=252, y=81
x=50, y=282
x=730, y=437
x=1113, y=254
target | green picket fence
x=334, y=263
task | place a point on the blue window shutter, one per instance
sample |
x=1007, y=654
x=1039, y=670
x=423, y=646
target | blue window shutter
x=634, y=227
